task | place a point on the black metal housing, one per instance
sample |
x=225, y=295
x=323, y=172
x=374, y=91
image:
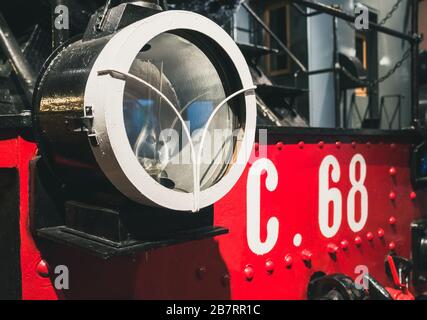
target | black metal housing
x=355, y=67
x=10, y=256
x=419, y=253
x=108, y=229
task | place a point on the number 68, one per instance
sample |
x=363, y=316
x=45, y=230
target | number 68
x=327, y=195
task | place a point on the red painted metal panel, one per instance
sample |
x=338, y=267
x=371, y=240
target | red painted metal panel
x=8, y=153
x=200, y=269
x=16, y=153
x=34, y=286
x=295, y=203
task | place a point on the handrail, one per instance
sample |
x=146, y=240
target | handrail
x=274, y=36
x=338, y=13
x=303, y=13
x=13, y=52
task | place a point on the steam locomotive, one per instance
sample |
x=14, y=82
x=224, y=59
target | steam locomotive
x=147, y=153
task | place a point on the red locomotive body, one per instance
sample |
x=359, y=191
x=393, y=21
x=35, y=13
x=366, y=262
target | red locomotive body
x=93, y=207
x=257, y=254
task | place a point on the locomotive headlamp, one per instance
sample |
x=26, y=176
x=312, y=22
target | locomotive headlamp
x=164, y=110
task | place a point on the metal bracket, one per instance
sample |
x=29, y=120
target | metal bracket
x=87, y=125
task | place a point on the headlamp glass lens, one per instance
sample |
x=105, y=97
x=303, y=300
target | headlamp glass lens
x=186, y=78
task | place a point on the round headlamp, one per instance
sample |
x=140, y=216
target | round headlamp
x=164, y=110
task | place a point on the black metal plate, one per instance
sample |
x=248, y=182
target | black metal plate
x=10, y=261
x=106, y=249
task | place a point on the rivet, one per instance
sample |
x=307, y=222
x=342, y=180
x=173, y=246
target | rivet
x=392, y=171
x=338, y=144
x=392, y=245
x=392, y=220
x=344, y=244
x=301, y=144
x=358, y=240
x=370, y=236
x=279, y=146
x=332, y=248
x=321, y=144
x=380, y=232
x=225, y=280
x=392, y=196
x=43, y=269
x=249, y=272
x=353, y=144
x=288, y=260
x=413, y=195
x=269, y=266
x=201, y=271
x=306, y=255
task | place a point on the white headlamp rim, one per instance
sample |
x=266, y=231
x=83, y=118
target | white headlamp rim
x=105, y=95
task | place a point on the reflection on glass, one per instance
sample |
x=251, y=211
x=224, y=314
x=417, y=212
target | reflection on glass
x=189, y=80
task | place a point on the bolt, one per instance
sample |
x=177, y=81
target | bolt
x=368, y=144
x=288, y=260
x=413, y=195
x=301, y=144
x=321, y=144
x=392, y=220
x=225, y=280
x=269, y=266
x=42, y=269
x=392, y=245
x=380, y=232
x=201, y=271
x=306, y=255
x=392, y=171
x=370, y=236
x=358, y=240
x=279, y=146
x=392, y=196
x=353, y=144
x=422, y=279
x=344, y=244
x=393, y=146
x=249, y=272
x=338, y=144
